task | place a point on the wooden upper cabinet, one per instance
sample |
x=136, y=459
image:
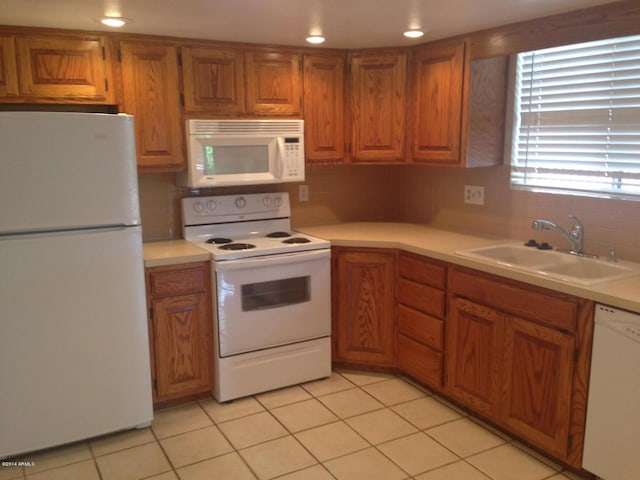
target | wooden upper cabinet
x=378, y=103
x=151, y=95
x=8, y=68
x=55, y=68
x=213, y=80
x=457, y=107
x=436, y=103
x=274, y=82
x=324, y=107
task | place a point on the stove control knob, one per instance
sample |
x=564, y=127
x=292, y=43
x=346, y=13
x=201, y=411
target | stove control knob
x=277, y=201
x=211, y=204
x=198, y=207
x=267, y=201
x=241, y=202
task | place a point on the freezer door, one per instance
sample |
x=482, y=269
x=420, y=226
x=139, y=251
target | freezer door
x=67, y=170
x=74, y=351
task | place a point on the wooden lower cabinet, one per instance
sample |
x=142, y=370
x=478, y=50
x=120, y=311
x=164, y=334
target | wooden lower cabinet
x=364, y=306
x=519, y=356
x=180, y=330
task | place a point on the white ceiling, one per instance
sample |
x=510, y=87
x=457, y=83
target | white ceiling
x=345, y=23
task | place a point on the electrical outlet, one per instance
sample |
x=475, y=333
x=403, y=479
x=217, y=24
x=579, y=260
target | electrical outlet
x=474, y=194
x=303, y=193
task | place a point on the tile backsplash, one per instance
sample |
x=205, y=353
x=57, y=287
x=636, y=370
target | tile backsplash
x=418, y=194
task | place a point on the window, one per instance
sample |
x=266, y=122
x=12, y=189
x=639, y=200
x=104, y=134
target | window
x=576, y=126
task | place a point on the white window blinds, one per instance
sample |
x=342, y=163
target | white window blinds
x=577, y=119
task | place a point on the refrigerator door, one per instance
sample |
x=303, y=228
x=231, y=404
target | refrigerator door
x=74, y=347
x=67, y=170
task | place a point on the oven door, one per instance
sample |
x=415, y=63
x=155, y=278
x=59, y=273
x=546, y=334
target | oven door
x=275, y=300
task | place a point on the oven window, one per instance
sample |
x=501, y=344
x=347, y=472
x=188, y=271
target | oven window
x=275, y=293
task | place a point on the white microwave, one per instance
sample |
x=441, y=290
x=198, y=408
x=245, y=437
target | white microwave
x=243, y=152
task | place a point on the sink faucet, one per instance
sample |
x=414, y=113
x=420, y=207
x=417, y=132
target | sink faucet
x=575, y=236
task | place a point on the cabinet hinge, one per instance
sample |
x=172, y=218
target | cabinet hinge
x=569, y=442
x=182, y=99
x=119, y=55
x=179, y=59
x=104, y=53
x=576, y=355
x=155, y=384
x=106, y=84
x=151, y=313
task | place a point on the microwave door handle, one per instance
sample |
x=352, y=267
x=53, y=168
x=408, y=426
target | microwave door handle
x=279, y=158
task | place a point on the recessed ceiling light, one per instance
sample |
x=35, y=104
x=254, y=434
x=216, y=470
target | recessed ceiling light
x=315, y=39
x=115, y=22
x=413, y=33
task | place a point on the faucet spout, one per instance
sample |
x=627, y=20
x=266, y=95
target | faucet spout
x=575, y=237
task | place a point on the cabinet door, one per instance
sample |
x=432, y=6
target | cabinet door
x=473, y=355
x=8, y=68
x=324, y=107
x=213, y=80
x=69, y=68
x=436, y=104
x=274, y=83
x=182, y=352
x=378, y=93
x=537, y=384
x=364, y=302
x=150, y=93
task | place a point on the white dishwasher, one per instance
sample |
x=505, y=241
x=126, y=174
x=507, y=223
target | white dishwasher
x=613, y=408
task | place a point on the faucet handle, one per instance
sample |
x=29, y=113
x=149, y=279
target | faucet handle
x=577, y=221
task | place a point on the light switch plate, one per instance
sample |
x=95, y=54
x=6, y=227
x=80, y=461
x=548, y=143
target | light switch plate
x=303, y=193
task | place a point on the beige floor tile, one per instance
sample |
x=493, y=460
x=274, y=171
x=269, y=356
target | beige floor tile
x=364, y=378
x=224, y=467
x=425, y=412
x=222, y=412
x=561, y=476
x=85, y=470
x=317, y=472
x=246, y=431
x=277, y=457
x=303, y=415
x=335, y=383
x=121, y=441
x=57, y=457
x=465, y=437
x=11, y=473
x=417, y=453
x=331, y=441
x=381, y=426
x=283, y=396
x=367, y=464
x=192, y=447
x=393, y=391
x=537, y=455
x=510, y=463
x=350, y=402
x=180, y=420
x=164, y=476
x=455, y=471
x=137, y=462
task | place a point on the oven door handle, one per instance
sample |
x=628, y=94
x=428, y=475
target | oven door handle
x=272, y=260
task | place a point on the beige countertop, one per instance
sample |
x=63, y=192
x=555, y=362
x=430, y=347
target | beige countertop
x=172, y=252
x=442, y=245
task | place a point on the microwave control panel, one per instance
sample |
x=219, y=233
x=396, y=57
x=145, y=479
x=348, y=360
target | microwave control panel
x=292, y=152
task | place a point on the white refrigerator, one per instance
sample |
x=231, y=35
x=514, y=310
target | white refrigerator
x=74, y=347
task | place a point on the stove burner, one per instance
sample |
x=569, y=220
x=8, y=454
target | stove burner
x=296, y=240
x=278, y=234
x=219, y=240
x=237, y=246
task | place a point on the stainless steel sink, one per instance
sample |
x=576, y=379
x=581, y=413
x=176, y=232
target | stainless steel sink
x=553, y=264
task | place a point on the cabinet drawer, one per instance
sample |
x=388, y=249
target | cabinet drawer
x=419, y=361
x=422, y=271
x=421, y=297
x=423, y=328
x=552, y=309
x=177, y=281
